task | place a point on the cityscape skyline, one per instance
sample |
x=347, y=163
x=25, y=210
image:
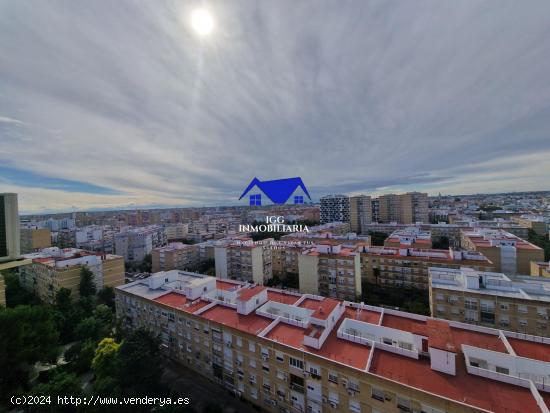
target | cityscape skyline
x=191, y=119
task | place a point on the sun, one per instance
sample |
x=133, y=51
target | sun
x=202, y=22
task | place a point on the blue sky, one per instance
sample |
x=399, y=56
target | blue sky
x=120, y=104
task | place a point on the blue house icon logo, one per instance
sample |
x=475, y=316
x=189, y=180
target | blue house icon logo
x=278, y=192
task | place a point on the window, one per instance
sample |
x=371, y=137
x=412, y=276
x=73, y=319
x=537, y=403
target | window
x=377, y=394
x=299, y=364
x=333, y=377
x=502, y=370
x=298, y=199
x=522, y=309
x=255, y=200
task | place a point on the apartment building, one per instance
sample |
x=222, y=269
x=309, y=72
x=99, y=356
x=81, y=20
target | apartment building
x=535, y=222
x=335, y=208
x=410, y=237
x=540, y=269
x=408, y=267
x=330, y=269
x=509, y=253
x=515, y=303
x=54, y=268
x=177, y=231
x=10, y=238
x=284, y=258
x=175, y=256
x=360, y=212
x=406, y=208
x=135, y=243
x=33, y=239
x=96, y=238
x=244, y=261
x=2, y=292
x=288, y=352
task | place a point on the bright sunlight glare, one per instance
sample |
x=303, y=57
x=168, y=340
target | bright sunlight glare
x=202, y=22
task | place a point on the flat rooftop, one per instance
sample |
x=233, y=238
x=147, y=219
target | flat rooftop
x=282, y=297
x=251, y=323
x=321, y=308
x=341, y=351
x=467, y=388
x=181, y=302
x=531, y=350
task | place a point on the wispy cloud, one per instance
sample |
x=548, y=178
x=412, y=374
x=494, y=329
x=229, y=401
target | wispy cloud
x=352, y=96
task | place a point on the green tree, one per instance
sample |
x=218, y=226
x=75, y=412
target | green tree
x=107, y=296
x=139, y=364
x=15, y=293
x=61, y=383
x=80, y=356
x=104, y=362
x=27, y=335
x=87, y=286
x=147, y=264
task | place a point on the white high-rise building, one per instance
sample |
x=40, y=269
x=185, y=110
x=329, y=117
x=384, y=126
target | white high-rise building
x=9, y=228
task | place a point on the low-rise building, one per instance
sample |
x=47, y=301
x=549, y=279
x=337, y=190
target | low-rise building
x=330, y=269
x=289, y=352
x=509, y=253
x=515, y=303
x=535, y=222
x=408, y=267
x=175, y=256
x=55, y=268
x=540, y=269
x=33, y=239
x=411, y=237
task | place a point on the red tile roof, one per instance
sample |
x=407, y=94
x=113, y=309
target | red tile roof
x=180, y=302
x=246, y=294
x=282, y=297
x=251, y=323
x=224, y=285
x=487, y=394
x=530, y=349
x=321, y=309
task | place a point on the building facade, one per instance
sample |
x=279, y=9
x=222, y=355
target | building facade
x=509, y=253
x=408, y=267
x=515, y=303
x=244, y=261
x=175, y=256
x=335, y=208
x=135, y=243
x=53, y=268
x=33, y=239
x=330, y=269
x=288, y=352
x=9, y=228
x=406, y=208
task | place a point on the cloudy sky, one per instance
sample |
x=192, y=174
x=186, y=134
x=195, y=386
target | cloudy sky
x=109, y=104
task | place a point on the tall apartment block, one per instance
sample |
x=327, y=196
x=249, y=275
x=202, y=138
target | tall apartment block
x=2, y=292
x=330, y=269
x=135, y=243
x=9, y=228
x=175, y=256
x=360, y=213
x=408, y=267
x=509, y=253
x=356, y=210
x=243, y=261
x=515, y=303
x=406, y=208
x=288, y=352
x=54, y=268
x=33, y=239
x=335, y=208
